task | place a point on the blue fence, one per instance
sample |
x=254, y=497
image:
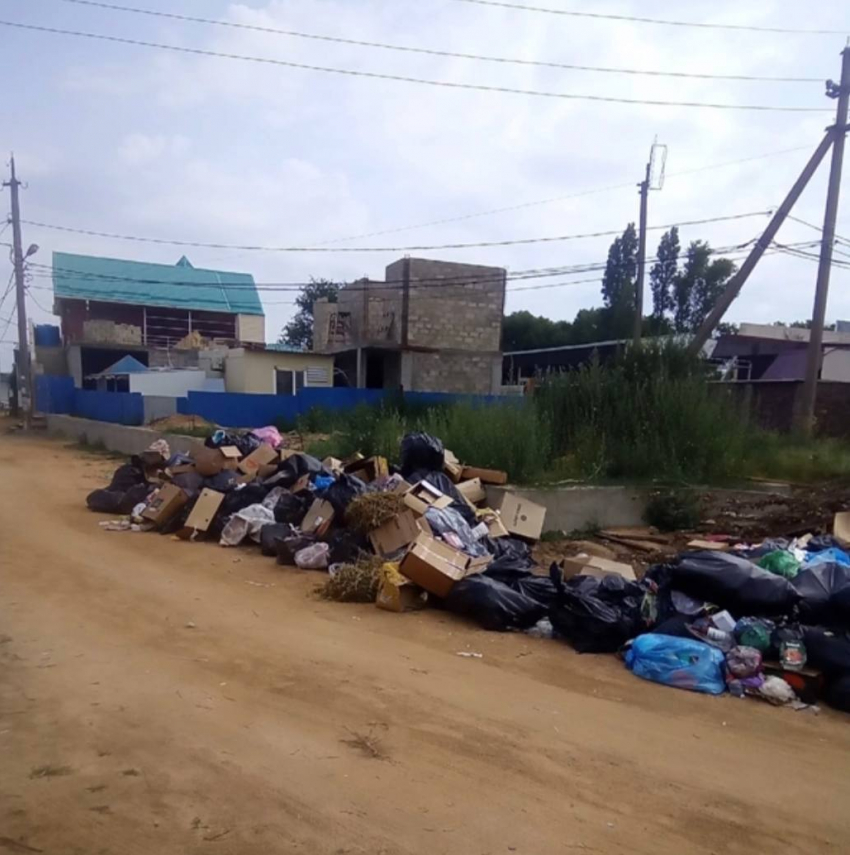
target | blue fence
x=58, y=395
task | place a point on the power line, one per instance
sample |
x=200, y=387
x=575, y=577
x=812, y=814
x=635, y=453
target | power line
x=659, y=21
x=577, y=195
x=437, y=52
x=816, y=228
x=537, y=93
x=360, y=249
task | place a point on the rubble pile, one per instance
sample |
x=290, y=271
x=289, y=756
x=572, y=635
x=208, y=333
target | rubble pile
x=769, y=620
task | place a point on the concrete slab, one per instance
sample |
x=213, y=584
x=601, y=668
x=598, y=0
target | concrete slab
x=118, y=438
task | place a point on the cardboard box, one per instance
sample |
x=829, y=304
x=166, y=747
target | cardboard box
x=436, y=567
x=202, y=513
x=486, y=476
x=165, y=504
x=400, y=596
x=318, y=519
x=495, y=527
x=267, y=471
x=399, y=487
x=472, y=491
x=398, y=533
x=259, y=457
x=591, y=565
x=425, y=495
x=453, y=467
x=841, y=527
x=522, y=517
x=333, y=465
x=211, y=461
x=368, y=470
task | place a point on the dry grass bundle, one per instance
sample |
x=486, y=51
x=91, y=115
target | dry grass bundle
x=355, y=583
x=372, y=510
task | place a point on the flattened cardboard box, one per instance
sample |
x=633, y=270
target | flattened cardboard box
x=598, y=567
x=453, y=467
x=165, y=504
x=472, y=491
x=202, y=513
x=486, y=476
x=318, y=519
x=522, y=517
x=436, y=567
x=259, y=457
x=423, y=496
x=399, y=532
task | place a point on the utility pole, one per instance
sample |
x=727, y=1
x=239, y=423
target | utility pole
x=23, y=366
x=814, y=362
x=641, y=271
x=654, y=180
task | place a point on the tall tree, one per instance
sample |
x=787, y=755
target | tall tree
x=663, y=274
x=524, y=331
x=618, y=284
x=299, y=331
x=698, y=286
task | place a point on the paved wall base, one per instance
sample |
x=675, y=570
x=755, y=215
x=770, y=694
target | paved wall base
x=118, y=438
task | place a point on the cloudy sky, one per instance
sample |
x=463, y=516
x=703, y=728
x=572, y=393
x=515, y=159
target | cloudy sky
x=133, y=140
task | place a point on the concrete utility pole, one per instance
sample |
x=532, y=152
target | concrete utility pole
x=654, y=180
x=814, y=362
x=23, y=366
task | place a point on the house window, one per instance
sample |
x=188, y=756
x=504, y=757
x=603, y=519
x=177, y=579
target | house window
x=284, y=382
x=316, y=376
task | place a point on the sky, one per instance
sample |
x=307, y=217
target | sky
x=138, y=141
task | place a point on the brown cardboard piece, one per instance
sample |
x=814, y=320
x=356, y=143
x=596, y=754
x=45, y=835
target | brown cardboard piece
x=259, y=457
x=841, y=527
x=425, y=495
x=202, y=513
x=486, y=476
x=318, y=519
x=211, y=461
x=333, y=465
x=399, y=597
x=453, y=467
x=591, y=565
x=495, y=527
x=165, y=504
x=472, y=491
x=399, y=532
x=709, y=546
x=368, y=470
x=522, y=517
x=436, y=567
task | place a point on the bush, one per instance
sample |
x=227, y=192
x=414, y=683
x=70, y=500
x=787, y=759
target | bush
x=673, y=510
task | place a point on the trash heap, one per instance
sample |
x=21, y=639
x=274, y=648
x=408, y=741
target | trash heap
x=770, y=621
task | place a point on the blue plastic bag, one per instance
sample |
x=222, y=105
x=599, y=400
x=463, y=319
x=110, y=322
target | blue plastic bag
x=677, y=662
x=827, y=556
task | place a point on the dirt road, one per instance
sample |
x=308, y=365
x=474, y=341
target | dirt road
x=166, y=697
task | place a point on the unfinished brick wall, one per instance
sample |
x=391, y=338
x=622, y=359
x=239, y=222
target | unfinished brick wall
x=459, y=308
x=457, y=372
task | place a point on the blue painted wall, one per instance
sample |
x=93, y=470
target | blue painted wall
x=58, y=395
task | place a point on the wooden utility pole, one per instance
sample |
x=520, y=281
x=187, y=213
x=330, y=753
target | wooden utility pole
x=814, y=363
x=641, y=271
x=23, y=365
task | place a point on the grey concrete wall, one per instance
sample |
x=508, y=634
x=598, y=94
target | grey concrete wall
x=456, y=372
x=573, y=508
x=158, y=407
x=118, y=438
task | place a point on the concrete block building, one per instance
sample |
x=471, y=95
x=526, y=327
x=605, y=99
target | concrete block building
x=431, y=326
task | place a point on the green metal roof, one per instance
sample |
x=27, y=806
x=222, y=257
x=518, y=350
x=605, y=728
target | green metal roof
x=112, y=280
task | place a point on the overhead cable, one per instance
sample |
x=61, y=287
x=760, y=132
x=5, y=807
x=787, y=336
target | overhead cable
x=536, y=93
x=438, y=52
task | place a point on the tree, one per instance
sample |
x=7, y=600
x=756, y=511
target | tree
x=524, y=331
x=698, y=286
x=618, y=284
x=299, y=331
x=663, y=274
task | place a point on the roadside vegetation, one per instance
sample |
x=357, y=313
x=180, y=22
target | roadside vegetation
x=650, y=415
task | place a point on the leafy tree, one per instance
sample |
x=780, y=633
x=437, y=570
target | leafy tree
x=299, y=331
x=698, y=286
x=524, y=331
x=618, y=283
x=663, y=274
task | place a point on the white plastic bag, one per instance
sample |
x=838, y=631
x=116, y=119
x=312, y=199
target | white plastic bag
x=313, y=557
x=248, y=521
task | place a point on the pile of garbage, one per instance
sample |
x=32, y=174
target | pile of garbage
x=770, y=621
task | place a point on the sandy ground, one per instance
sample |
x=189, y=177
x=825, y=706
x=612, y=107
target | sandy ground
x=281, y=724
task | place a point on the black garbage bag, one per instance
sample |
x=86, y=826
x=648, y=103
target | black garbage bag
x=595, y=615
x=827, y=651
x=117, y=501
x=271, y=534
x=289, y=546
x=126, y=476
x=732, y=583
x=823, y=542
x=676, y=626
x=245, y=442
x=222, y=482
x=541, y=589
x=236, y=500
x=838, y=694
x=295, y=467
x=509, y=553
x=421, y=451
x=824, y=591
x=493, y=605
x=343, y=491
x=346, y=546
x=191, y=482
x=292, y=507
